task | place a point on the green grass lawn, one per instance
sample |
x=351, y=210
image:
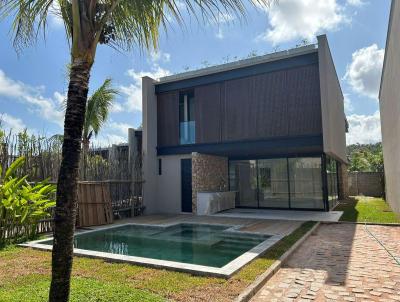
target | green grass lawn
x=367, y=209
x=25, y=276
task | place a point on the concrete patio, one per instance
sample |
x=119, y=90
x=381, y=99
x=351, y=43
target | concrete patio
x=286, y=215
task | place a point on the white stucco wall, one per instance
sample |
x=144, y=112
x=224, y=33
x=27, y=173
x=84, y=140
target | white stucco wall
x=161, y=193
x=169, y=184
x=332, y=106
x=389, y=102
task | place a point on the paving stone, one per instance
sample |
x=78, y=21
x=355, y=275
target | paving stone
x=341, y=262
x=292, y=295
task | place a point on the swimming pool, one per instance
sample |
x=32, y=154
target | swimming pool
x=183, y=246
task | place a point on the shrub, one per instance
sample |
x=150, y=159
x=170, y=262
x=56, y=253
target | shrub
x=22, y=205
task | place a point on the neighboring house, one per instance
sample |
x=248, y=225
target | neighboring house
x=389, y=101
x=264, y=132
x=121, y=150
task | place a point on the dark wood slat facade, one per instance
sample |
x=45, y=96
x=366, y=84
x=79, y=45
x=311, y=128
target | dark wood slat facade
x=168, y=119
x=282, y=103
x=208, y=113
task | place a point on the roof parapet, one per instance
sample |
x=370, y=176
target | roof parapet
x=240, y=63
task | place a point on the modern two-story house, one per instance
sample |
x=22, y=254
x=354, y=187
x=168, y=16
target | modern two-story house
x=264, y=132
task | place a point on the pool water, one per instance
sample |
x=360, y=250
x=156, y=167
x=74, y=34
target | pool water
x=208, y=245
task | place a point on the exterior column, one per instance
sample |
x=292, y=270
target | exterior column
x=343, y=182
x=149, y=147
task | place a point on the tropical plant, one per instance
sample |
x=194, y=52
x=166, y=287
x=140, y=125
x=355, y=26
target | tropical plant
x=22, y=205
x=97, y=110
x=120, y=24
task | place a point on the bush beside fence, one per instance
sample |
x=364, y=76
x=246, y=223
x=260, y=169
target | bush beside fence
x=118, y=166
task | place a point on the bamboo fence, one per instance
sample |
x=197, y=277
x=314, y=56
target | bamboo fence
x=114, y=169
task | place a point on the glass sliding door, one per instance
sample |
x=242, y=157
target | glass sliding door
x=243, y=180
x=306, y=183
x=286, y=183
x=273, y=190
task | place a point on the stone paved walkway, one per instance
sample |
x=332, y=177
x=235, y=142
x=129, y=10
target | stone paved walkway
x=340, y=262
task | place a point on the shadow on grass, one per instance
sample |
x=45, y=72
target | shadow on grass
x=349, y=208
x=367, y=209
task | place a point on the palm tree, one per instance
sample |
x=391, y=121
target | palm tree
x=121, y=24
x=97, y=110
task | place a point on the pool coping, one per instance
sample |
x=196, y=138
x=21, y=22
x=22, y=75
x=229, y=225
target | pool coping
x=224, y=272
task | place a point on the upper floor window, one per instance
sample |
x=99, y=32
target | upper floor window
x=186, y=118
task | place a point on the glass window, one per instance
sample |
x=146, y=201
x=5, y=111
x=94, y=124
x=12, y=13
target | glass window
x=187, y=125
x=306, y=183
x=243, y=180
x=278, y=183
x=332, y=183
x=273, y=183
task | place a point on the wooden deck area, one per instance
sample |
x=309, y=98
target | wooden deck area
x=270, y=227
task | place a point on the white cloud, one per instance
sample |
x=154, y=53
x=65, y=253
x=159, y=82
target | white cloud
x=133, y=92
x=364, y=72
x=120, y=128
x=107, y=139
x=219, y=34
x=55, y=18
x=9, y=122
x=301, y=19
x=221, y=20
x=116, y=107
x=160, y=56
x=47, y=108
x=357, y=3
x=364, y=129
x=348, y=106
x=112, y=133
x=60, y=98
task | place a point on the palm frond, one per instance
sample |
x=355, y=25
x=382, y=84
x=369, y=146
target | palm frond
x=98, y=108
x=30, y=17
x=121, y=24
x=137, y=23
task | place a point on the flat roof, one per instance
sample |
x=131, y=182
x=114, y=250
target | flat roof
x=240, y=64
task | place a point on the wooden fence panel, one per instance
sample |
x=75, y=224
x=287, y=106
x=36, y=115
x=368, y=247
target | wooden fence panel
x=94, y=204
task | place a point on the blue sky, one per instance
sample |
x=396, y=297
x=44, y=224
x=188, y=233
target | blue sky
x=33, y=82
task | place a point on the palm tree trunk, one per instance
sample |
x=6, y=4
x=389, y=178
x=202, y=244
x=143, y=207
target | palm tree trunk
x=65, y=212
x=85, y=154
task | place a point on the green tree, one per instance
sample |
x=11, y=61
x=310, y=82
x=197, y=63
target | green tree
x=97, y=110
x=121, y=24
x=98, y=107
x=365, y=158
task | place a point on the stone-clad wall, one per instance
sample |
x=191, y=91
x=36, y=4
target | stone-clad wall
x=209, y=173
